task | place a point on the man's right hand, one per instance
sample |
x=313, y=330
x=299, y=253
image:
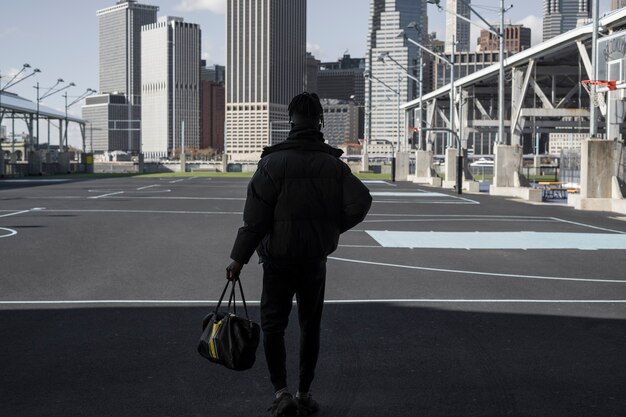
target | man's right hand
x=233, y=270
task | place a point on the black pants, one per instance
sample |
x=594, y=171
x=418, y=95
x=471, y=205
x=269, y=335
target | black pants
x=280, y=283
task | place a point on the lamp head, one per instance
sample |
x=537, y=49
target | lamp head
x=26, y=66
x=413, y=25
x=382, y=56
x=36, y=70
x=72, y=85
x=60, y=80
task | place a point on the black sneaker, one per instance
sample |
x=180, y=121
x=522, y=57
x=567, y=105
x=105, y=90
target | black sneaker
x=284, y=406
x=307, y=406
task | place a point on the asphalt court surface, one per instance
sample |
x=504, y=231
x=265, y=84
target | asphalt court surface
x=437, y=304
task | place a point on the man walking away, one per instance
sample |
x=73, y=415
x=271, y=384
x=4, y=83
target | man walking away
x=301, y=198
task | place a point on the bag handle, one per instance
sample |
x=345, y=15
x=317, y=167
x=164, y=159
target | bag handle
x=243, y=298
x=219, y=303
x=231, y=298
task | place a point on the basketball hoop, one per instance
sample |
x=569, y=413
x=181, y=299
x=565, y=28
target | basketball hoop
x=597, y=97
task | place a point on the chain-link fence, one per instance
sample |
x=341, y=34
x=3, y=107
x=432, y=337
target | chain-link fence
x=569, y=171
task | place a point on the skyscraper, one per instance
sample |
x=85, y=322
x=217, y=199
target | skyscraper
x=312, y=70
x=265, y=69
x=115, y=120
x=457, y=29
x=387, y=19
x=212, y=107
x=343, y=80
x=170, y=53
x=560, y=16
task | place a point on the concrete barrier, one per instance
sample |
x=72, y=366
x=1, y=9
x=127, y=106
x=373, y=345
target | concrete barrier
x=432, y=181
x=528, y=194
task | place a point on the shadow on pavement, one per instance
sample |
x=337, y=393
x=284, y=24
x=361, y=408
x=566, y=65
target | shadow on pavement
x=377, y=360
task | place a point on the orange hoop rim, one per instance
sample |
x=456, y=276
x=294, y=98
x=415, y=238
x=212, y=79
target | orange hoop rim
x=610, y=84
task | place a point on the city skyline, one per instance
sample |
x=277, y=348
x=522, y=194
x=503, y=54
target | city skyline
x=66, y=43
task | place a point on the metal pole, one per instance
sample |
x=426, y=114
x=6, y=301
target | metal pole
x=183, y=162
x=452, y=93
x=501, y=78
x=37, y=113
x=593, y=119
x=459, y=173
x=129, y=83
x=173, y=58
x=399, y=134
x=1, y=117
x=61, y=142
x=420, y=134
x=368, y=117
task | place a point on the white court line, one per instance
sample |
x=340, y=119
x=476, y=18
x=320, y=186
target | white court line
x=105, y=195
x=36, y=181
x=426, y=202
x=490, y=274
x=178, y=198
x=355, y=301
x=488, y=216
x=144, y=211
x=15, y=213
x=148, y=186
x=379, y=182
x=11, y=232
x=406, y=194
x=460, y=220
x=587, y=225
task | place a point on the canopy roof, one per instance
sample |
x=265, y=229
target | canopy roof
x=10, y=102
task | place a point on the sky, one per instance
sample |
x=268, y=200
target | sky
x=61, y=38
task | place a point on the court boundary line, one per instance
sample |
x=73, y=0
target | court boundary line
x=138, y=211
x=588, y=226
x=332, y=301
x=12, y=232
x=489, y=274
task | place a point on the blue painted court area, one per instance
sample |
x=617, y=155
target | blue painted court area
x=499, y=240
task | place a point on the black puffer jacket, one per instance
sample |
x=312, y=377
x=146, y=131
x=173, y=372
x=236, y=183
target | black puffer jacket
x=301, y=198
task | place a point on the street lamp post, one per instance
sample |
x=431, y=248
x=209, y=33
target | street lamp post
x=371, y=77
x=47, y=94
x=499, y=32
x=452, y=133
x=450, y=63
x=407, y=74
x=593, y=119
x=13, y=81
x=88, y=92
x=381, y=58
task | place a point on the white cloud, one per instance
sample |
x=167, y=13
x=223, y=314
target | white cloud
x=214, y=6
x=317, y=51
x=536, y=28
x=12, y=72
